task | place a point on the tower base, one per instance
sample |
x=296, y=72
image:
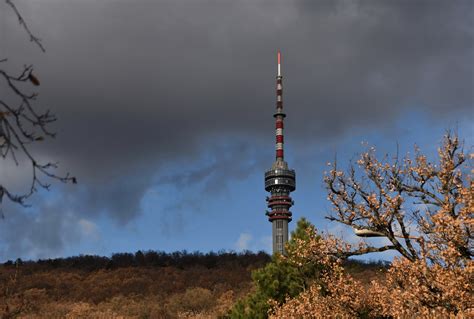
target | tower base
x=280, y=235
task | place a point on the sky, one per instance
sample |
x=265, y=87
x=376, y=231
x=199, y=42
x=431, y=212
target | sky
x=165, y=112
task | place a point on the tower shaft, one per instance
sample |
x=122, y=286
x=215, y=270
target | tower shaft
x=279, y=180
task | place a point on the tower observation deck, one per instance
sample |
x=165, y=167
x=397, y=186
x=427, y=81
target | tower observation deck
x=279, y=180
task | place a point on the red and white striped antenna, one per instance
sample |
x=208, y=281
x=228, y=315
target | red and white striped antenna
x=279, y=115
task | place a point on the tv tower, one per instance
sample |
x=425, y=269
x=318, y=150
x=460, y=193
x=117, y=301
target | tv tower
x=279, y=180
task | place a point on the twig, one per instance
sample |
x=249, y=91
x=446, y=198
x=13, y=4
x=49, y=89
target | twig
x=22, y=22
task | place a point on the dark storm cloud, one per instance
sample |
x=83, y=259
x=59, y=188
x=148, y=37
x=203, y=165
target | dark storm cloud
x=140, y=85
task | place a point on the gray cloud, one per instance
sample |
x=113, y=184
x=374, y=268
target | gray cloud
x=44, y=234
x=139, y=86
x=235, y=160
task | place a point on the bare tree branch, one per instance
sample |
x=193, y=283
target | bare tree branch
x=383, y=197
x=21, y=125
x=366, y=250
x=22, y=22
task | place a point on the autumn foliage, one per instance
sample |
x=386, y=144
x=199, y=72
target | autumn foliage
x=425, y=211
x=146, y=284
x=408, y=288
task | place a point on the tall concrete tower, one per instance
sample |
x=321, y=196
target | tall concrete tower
x=279, y=180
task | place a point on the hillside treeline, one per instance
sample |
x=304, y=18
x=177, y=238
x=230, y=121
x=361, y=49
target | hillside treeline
x=150, y=258
x=147, y=284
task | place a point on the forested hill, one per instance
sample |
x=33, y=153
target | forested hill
x=178, y=259
x=147, y=284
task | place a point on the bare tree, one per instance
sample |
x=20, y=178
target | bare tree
x=22, y=124
x=413, y=203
